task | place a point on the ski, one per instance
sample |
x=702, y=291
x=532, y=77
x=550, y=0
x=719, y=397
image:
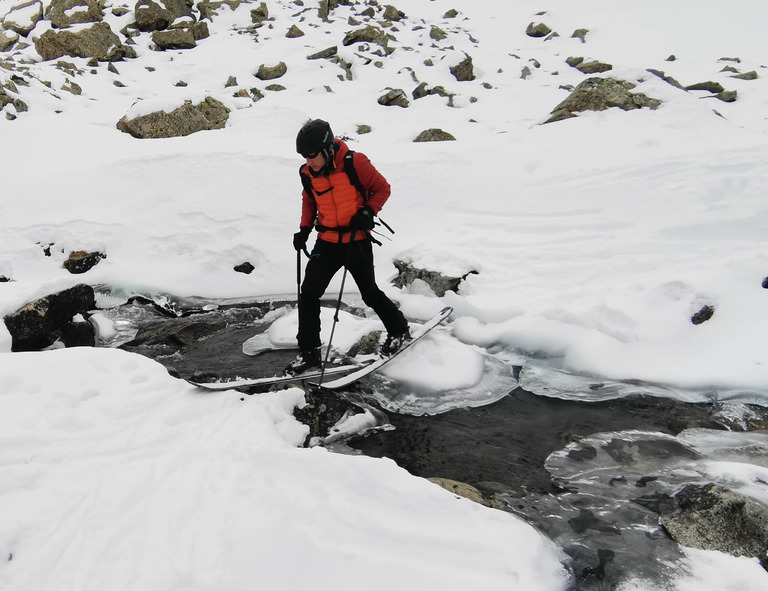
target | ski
x=376, y=365
x=269, y=380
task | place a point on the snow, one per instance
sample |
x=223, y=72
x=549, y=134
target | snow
x=594, y=240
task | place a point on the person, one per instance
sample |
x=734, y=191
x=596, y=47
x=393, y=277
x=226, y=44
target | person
x=334, y=204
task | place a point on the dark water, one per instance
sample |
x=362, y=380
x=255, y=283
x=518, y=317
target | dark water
x=593, y=476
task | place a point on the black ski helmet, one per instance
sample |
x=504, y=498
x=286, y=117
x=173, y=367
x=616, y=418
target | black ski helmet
x=314, y=137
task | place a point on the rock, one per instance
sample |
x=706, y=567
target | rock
x=437, y=282
x=7, y=39
x=394, y=97
x=260, y=14
x=78, y=333
x=324, y=54
x=593, y=67
x=746, y=76
x=158, y=16
x=64, y=13
x=464, y=70
x=294, y=32
x=246, y=268
x=323, y=410
x=437, y=33
x=35, y=326
x=765, y=283
x=667, y=79
x=187, y=119
x=434, y=135
x=711, y=517
x=728, y=96
x=710, y=86
x=368, y=344
x=703, y=315
x=97, y=41
x=369, y=34
x=271, y=72
x=174, y=39
x=80, y=261
x=363, y=129
x=580, y=34
x=598, y=94
x=393, y=14
x=23, y=17
x=461, y=489
x=537, y=30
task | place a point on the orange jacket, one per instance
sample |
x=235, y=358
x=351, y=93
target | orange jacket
x=336, y=200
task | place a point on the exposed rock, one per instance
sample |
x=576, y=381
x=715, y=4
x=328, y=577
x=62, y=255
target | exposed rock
x=746, y=76
x=187, y=119
x=709, y=86
x=537, y=30
x=7, y=39
x=593, y=67
x=727, y=96
x=73, y=87
x=368, y=344
x=765, y=283
x=598, y=94
x=294, y=32
x=711, y=517
x=271, y=72
x=173, y=336
x=81, y=262
x=368, y=34
x=394, y=97
x=157, y=16
x=199, y=30
x=703, y=315
x=580, y=34
x=434, y=135
x=323, y=410
x=246, y=268
x=64, y=13
x=363, y=129
x=260, y=14
x=464, y=70
x=437, y=282
x=174, y=39
x=24, y=17
x=97, y=41
x=393, y=14
x=437, y=33
x=324, y=54
x=667, y=79
x=37, y=325
x=461, y=489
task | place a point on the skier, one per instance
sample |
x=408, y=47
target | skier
x=342, y=194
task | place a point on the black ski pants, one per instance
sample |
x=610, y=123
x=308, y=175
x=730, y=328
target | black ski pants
x=326, y=259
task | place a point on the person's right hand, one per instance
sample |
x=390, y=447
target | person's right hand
x=300, y=238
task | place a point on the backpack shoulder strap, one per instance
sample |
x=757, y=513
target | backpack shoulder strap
x=349, y=168
x=306, y=182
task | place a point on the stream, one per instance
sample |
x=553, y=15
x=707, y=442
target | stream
x=591, y=465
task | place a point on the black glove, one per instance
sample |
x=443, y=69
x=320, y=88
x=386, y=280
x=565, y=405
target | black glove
x=363, y=219
x=300, y=237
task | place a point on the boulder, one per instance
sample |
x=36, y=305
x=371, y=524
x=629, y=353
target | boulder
x=598, y=94
x=537, y=30
x=40, y=323
x=24, y=17
x=711, y=517
x=434, y=135
x=7, y=39
x=64, y=13
x=464, y=70
x=81, y=261
x=187, y=119
x=158, y=16
x=271, y=72
x=368, y=34
x=436, y=281
x=98, y=41
x=393, y=14
x=394, y=97
x=174, y=39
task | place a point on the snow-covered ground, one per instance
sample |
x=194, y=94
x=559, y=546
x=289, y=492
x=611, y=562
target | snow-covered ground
x=595, y=240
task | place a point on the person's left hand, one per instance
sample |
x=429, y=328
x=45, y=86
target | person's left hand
x=363, y=219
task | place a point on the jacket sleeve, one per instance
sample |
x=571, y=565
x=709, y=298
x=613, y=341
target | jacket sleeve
x=378, y=187
x=308, y=209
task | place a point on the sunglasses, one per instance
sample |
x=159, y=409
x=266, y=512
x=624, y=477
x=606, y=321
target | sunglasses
x=311, y=155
